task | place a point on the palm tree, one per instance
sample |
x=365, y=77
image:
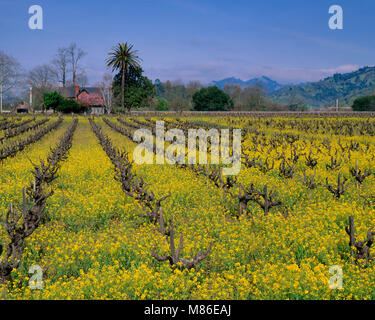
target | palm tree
x=121, y=57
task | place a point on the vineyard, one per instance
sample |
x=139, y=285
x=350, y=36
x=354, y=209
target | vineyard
x=100, y=226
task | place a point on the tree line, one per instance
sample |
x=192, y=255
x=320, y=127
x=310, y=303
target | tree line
x=64, y=69
x=131, y=89
x=176, y=96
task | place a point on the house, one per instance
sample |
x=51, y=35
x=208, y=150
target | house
x=90, y=98
x=23, y=108
x=68, y=92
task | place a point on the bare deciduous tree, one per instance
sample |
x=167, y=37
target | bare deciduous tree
x=253, y=96
x=42, y=79
x=105, y=88
x=60, y=62
x=81, y=79
x=9, y=75
x=248, y=98
x=75, y=55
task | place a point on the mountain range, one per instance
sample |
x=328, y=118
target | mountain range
x=267, y=84
x=344, y=87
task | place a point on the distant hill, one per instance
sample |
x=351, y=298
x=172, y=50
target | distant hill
x=265, y=83
x=345, y=87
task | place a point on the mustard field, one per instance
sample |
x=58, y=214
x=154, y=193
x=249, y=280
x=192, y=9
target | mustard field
x=271, y=232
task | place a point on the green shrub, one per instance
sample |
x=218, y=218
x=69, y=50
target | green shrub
x=212, y=99
x=68, y=106
x=366, y=103
x=52, y=100
x=162, y=105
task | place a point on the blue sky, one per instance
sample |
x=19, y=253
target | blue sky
x=286, y=40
